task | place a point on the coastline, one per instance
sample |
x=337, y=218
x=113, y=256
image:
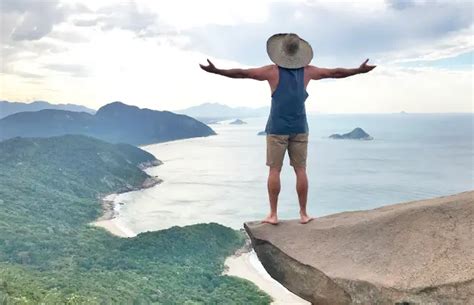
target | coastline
x=111, y=207
x=243, y=263
x=246, y=265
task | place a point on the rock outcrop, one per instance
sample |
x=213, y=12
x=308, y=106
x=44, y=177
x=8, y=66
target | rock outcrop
x=238, y=122
x=356, y=134
x=419, y=252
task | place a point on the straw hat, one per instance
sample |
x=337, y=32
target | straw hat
x=288, y=50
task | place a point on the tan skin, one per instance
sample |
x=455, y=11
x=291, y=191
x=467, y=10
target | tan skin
x=270, y=74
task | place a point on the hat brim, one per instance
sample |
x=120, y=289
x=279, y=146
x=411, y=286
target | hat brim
x=301, y=58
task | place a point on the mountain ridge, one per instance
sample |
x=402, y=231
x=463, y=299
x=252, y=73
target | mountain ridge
x=222, y=111
x=8, y=108
x=115, y=122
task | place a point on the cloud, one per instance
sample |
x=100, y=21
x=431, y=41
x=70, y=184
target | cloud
x=68, y=36
x=86, y=22
x=338, y=35
x=22, y=56
x=451, y=45
x=72, y=69
x=27, y=74
x=146, y=52
x=32, y=20
x=400, y=4
x=129, y=16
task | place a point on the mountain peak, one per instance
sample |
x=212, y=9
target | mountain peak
x=114, y=122
x=116, y=108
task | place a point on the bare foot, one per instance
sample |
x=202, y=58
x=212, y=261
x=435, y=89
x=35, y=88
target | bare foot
x=304, y=219
x=271, y=219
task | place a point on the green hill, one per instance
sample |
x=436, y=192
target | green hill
x=49, y=254
x=115, y=122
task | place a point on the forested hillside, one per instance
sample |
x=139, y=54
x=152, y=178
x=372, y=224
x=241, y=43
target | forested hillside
x=49, y=254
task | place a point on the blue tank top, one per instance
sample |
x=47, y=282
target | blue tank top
x=288, y=113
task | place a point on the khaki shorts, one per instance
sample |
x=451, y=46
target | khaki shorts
x=297, y=145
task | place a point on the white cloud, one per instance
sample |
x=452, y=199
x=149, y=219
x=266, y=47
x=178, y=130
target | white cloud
x=452, y=45
x=392, y=89
x=147, y=53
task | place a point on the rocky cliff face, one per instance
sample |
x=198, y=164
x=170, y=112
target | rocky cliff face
x=419, y=252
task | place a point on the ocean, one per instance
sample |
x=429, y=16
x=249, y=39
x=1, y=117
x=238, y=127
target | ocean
x=222, y=178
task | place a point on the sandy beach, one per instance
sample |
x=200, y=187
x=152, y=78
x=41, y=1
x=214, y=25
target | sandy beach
x=114, y=227
x=109, y=220
x=247, y=266
x=244, y=265
x=111, y=207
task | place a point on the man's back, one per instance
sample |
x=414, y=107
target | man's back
x=288, y=113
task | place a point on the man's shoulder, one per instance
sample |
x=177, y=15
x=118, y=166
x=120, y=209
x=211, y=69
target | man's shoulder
x=269, y=71
x=271, y=67
x=314, y=72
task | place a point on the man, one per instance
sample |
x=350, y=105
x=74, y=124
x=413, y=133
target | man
x=287, y=128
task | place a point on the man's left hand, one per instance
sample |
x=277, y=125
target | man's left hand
x=364, y=67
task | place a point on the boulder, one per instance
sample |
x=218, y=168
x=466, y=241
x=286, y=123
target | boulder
x=419, y=252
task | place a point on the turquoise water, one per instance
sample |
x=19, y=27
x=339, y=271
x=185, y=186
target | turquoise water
x=223, y=178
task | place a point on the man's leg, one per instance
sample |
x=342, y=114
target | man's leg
x=302, y=190
x=276, y=148
x=297, y=150
x=273, y=185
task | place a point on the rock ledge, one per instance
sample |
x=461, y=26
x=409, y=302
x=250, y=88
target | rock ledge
x=418, y=252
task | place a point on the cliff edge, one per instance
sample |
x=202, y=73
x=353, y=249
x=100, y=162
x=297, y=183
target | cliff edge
x=418, y=252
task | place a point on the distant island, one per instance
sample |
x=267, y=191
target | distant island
x=356, y=134
x=262, y=133
x=115, y=122
x=50, y=254
x=213, y=112
x=8, y=108
x=238, y=122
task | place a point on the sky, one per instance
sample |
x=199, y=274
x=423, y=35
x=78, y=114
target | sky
x=147, y=53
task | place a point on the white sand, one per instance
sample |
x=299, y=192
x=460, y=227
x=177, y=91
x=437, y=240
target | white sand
x=115, y=227
x=247, y=266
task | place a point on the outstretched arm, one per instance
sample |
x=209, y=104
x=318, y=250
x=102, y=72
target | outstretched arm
x=261, y=73
x=320, y=73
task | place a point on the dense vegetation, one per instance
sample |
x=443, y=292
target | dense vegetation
x=49, y=254
x=114, y=122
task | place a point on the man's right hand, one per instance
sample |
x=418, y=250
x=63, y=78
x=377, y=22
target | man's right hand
x=209, y=68
x=262, y=73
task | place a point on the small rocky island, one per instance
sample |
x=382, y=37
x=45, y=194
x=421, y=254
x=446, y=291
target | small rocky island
x=418, y=252
x=238, y=122
x=356, y=134
x=262, y=133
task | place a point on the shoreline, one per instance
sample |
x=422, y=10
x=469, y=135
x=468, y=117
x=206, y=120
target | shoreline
x=243, y=263
x=111, y=208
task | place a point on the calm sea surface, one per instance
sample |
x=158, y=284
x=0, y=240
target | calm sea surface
x=223, y=178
